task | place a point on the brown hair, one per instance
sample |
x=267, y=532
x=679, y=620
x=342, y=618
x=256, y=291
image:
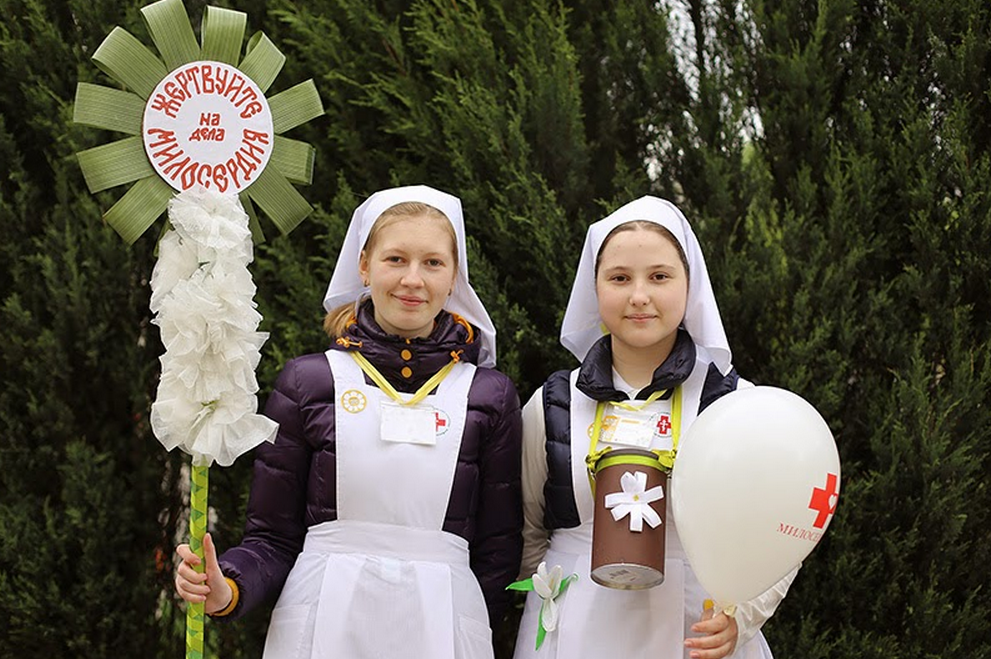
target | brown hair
x=642, y=225
x=336, y=322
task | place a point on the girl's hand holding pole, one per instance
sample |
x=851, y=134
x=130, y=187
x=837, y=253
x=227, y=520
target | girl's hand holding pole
x=208, y=586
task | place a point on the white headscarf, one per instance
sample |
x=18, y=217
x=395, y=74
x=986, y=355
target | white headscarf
x=582, y=324
x=345, y=285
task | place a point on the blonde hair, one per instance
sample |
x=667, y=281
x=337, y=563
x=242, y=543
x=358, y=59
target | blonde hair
x=337, y=320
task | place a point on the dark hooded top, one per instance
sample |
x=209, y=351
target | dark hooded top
x=294, y=482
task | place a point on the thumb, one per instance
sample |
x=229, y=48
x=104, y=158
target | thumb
x=213, y=572
x=708, y=609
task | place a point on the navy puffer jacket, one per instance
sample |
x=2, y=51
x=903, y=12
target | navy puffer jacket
x=595, y=380
x=294, y=480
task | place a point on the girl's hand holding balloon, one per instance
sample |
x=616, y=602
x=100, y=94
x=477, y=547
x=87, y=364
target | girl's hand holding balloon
x=210, y=586
x=721, y=633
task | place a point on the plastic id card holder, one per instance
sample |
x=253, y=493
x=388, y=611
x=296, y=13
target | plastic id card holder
x=408, y=425
x=631, y=428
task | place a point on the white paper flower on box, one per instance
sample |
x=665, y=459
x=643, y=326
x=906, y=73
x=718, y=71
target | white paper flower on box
x=635, y=500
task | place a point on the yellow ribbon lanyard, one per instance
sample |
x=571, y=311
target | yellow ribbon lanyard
x=387, y=387
x=666, y=458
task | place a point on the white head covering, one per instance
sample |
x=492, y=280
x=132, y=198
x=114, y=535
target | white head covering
x=345, y=285
x=582, y=324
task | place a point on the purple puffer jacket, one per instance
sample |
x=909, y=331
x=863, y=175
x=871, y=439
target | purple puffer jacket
x=294, y=478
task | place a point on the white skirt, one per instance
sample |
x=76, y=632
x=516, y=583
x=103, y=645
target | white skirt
x=378, y=591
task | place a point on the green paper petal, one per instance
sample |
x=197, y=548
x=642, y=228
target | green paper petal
x=223, y=33
x=125, y=59
x=111, y=109
x=139, y=208
x=257, y=234
x=262, y=61
x=114, y=164
x=169, y=26
x=295, y=106
x=294, y=159
x=523, y=584
x=541, y=632
x=275, y=195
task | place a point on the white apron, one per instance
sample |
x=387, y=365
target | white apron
x=383, y=581
x=595, y=622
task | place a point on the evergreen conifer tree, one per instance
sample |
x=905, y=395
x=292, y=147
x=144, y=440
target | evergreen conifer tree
x=83, y=538
x=832, y=156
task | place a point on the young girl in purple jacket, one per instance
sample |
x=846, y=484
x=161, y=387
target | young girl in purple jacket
x=387, y=516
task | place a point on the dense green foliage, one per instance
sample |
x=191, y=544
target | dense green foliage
x=834, y=157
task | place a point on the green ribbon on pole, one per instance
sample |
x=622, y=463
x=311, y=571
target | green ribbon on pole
x=110, y=109
x=172, y=32
x=223, y=32
x=130, y=63
x=275, y=195
x=295, y=106
x=109, y=165
x=139, y=70
x=294, y=159
x=199, y=487
x=262, y=61
x=125, y=59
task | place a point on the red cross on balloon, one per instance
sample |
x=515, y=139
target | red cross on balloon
x=824, y=500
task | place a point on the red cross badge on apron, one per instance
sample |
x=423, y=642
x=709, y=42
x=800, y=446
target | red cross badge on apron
x=441, y=421
x=664, y=425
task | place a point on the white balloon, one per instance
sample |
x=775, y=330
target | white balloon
x=754, y=486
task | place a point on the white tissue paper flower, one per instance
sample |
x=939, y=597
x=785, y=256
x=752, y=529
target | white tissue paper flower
x=202, y=295
x=548, y=586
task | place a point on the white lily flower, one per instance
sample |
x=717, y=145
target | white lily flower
x=548, y=586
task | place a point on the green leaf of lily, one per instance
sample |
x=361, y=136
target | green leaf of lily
x=524, y=584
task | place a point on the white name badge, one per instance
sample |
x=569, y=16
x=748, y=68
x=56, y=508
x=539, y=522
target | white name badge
x=408, y=425
x=631, y=428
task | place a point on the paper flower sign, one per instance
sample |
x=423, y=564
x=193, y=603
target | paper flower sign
x=208, y=124
x=198, y=123
x=549, y=586
x=635, y=501
x=202, y=294
x=196, y=116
